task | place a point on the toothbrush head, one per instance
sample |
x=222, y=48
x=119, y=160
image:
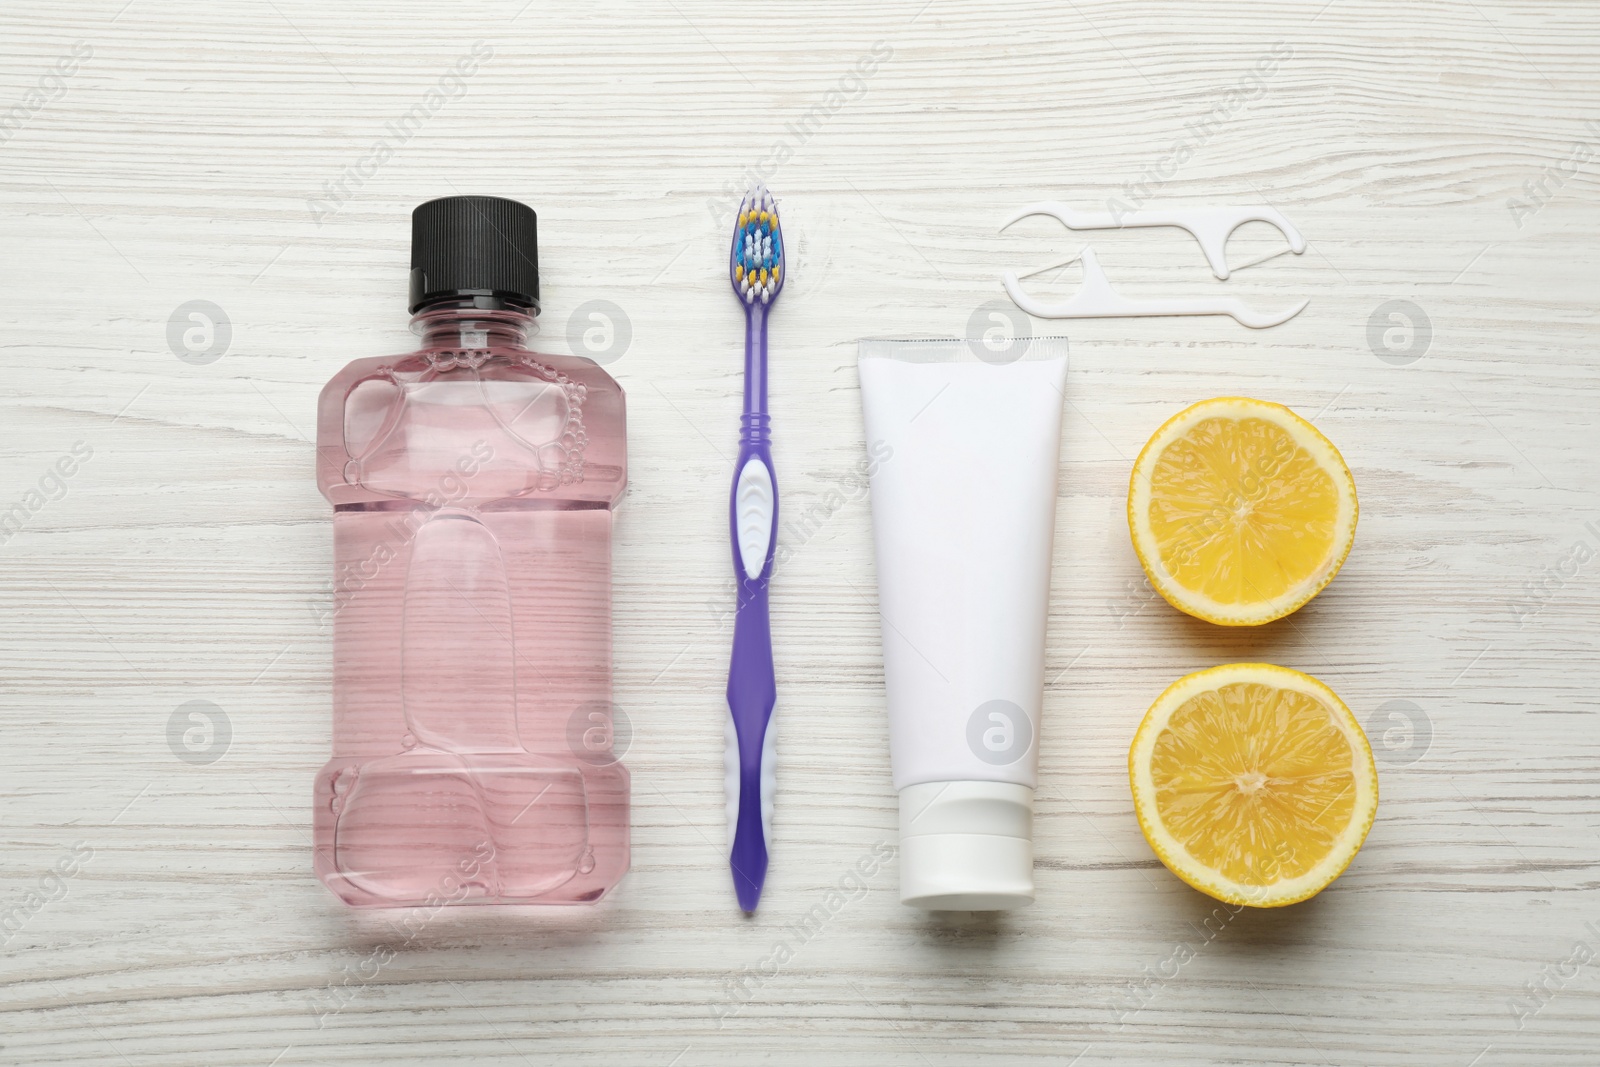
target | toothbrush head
x=755, y=263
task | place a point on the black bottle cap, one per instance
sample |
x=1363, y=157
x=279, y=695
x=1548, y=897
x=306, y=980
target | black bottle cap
x=475, y=246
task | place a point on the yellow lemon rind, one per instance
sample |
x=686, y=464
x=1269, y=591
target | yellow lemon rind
x=1179, y=860
x=1195, y=603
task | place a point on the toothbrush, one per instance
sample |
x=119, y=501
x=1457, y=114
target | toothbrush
x=755, y=267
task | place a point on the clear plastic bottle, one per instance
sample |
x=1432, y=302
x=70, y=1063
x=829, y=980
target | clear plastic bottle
x=473, y=483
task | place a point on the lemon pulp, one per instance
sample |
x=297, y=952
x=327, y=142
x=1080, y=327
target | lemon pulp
x=1240, y=510
x=1253, y=783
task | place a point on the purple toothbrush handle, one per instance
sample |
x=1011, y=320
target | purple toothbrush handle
x=752, y=687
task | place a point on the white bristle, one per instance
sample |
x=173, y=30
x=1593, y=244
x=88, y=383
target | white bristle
x=755, y=250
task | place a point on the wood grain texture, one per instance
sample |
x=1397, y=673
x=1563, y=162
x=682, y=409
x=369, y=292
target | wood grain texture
x=187, y=559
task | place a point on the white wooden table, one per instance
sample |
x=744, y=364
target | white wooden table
x=1439, y=154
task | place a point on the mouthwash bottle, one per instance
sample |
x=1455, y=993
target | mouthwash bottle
x=472, y=484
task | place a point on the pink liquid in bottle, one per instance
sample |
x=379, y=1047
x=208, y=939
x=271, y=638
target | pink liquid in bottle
x=473, y=483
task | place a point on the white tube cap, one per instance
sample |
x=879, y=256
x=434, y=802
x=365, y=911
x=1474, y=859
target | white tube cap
x=966, y=846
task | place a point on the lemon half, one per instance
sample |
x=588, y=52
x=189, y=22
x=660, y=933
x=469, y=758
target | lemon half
x=1253, y=783
x=1240, y=511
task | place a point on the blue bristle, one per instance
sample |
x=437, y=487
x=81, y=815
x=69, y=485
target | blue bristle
x=758, y=243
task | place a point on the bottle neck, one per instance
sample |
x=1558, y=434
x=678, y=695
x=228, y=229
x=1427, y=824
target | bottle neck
x=473, y=323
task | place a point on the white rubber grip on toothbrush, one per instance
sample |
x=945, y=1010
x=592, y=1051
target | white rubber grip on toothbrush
x=755, y=499
x=769, y=775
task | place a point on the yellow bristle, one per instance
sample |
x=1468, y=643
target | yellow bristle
x=738, y=272
x=775, y=271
